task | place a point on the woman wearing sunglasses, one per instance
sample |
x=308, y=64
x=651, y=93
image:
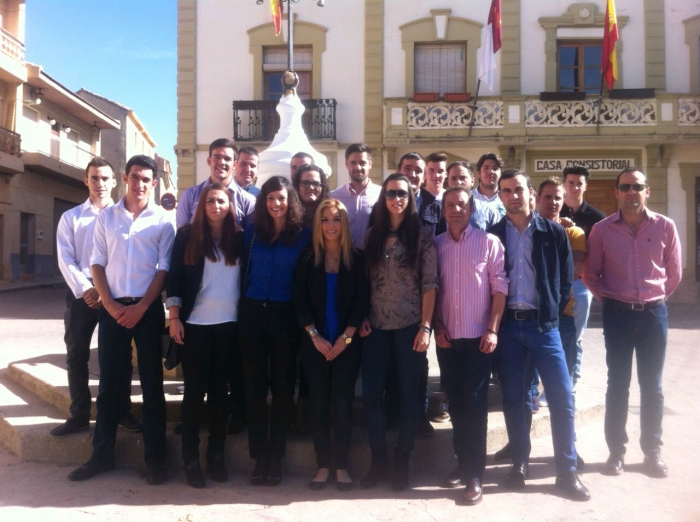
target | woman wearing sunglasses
x=269, y=335
x=310, y=182
x=402, y=270
x=203, y=291
x=331, y=297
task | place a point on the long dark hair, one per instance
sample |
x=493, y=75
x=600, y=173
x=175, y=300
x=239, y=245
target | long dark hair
x=201, y=243
x=325, y=191
x=408, y=231
x=263, y=223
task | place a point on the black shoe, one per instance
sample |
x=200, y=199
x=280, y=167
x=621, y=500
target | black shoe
x=343, y=486
x=454, y=479
x=615, y=465
x=194, y=475
x=503, y=454
x=274, y=473
x=515, y=479
x=259, y=475
x=399, y=480
x=71, y=425
x=91, y=468
x=425, y=429
x=129, y=423
x=156, y=474
x=177, y=428
x=572, y=486
x=579, y=462
x=216, y=468
x=377, y=473
x=236, y=424
x=654, y=466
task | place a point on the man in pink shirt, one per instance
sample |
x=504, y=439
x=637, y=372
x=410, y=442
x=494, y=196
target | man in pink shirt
x=470, y=303
x=633, y=267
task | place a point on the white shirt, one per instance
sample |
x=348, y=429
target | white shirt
x=132, y=250
x=217, y=299
x=74, y=246
x=359, y=206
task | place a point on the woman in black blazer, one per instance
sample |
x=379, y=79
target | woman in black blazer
x=331, y=296
x=203, y=292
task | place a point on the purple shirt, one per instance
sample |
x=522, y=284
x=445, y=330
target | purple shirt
x=243, y=203
x=359, y=206
x=629, y=268
x=470, y=272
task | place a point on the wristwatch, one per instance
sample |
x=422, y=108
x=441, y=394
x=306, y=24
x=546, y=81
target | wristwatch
x=312, y=332
x=347, y=339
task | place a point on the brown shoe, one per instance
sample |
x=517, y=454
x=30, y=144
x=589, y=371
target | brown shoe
x=473, y=494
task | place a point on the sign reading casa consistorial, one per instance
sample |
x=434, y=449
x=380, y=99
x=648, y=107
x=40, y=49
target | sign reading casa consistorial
x=592, y=164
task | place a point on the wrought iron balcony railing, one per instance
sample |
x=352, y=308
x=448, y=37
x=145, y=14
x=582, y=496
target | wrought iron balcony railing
x=10, y=142
x=257, y=120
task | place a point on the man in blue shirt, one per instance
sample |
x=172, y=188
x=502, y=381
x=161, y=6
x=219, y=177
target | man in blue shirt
x=539, y=265
x=246, y=169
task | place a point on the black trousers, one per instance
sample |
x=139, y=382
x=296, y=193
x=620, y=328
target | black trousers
x=269, y=340
x=236, y=385
x=331, y=388
x=114, y=349
x=80, y=321
x=205, y=359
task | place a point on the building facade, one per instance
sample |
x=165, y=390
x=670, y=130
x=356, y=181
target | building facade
x=402, y=76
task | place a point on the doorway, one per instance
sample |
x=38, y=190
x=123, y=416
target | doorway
x=600, y=194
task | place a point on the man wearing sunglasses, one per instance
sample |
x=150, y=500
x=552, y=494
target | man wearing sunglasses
x=633, y=266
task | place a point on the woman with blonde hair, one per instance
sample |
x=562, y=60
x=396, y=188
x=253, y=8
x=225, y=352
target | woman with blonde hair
x=331, y=296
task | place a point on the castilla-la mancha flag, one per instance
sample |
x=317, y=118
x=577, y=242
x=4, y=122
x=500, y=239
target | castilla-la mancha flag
x=492, y=44
x=276, y=8
x=610, y=36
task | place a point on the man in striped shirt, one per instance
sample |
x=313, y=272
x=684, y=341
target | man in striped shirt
x=469, y=307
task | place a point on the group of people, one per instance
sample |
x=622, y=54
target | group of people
x=358, y=279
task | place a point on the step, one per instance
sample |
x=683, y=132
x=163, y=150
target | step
x=26, y=420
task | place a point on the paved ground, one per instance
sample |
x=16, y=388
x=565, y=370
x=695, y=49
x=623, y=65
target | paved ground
x=30, y=326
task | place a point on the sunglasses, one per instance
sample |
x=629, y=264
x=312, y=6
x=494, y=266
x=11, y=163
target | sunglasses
x=637, y=187
x=310, y=184
x=392, y=194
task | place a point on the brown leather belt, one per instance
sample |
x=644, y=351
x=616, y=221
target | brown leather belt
x=637, y=307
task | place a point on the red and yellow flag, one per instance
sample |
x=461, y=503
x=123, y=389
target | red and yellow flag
x=276, y=8
x=611, y=35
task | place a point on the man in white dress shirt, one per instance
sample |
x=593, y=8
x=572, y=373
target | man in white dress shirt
x=130, y=262
x=74, y=239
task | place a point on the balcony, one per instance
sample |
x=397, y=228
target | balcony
x=666, y=116
x=258, y=120
x=10, y=152
x=11, y=46
x=65, y=162
x=12, y=66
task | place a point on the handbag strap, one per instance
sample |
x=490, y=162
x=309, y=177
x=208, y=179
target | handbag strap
x=247, y=267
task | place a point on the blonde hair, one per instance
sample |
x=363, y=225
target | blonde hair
x=345, y=239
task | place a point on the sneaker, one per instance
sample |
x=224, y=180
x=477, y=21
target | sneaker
x=443, y=415
x=71, y=425
x=542, y=400
x=129, y=423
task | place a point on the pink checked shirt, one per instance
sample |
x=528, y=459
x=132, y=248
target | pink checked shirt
x=470, y=271
x=633, y=269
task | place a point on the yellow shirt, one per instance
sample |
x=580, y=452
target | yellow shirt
x=577, y=240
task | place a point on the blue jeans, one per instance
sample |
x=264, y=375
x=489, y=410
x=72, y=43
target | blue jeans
x=114, y=352
x=518, y=340
x=409, y=366
x=567, y=332
x=465, y=377
x=625, y=332
x=582, y=308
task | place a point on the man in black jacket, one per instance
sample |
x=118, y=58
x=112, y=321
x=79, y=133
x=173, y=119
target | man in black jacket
x=540, y=269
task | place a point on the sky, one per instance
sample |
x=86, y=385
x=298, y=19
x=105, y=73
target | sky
x=124, y=50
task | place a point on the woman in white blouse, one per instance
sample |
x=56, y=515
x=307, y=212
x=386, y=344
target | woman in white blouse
x=203, y=292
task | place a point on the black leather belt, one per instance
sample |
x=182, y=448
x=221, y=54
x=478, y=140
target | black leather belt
x=637, y=307
x=268, y=304
x=128, y=300
x=521, y=315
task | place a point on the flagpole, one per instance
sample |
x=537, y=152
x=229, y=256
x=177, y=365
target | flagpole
x=476, y=97
x=600, y=102
x=290, y=37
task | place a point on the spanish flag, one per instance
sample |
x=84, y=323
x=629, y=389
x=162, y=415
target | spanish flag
x=276, y=8
x=492, y=43
x=611, y=35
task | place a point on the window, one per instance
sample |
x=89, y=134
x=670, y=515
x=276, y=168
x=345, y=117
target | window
x=440, y=68
x=579, y=66
x=274, y=65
